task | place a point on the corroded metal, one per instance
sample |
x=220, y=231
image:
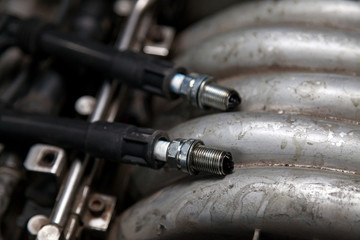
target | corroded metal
x=331, y=96
x=46, y=159
x=266, y=140
x=338, y=14
x=257, y=49
x=256, y=139
x=294, y=143
x=319, y=205
x=99, y=213
x=312, y=94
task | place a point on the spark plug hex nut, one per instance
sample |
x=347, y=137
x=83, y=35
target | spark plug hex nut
x=179, y=152
x=192, y=157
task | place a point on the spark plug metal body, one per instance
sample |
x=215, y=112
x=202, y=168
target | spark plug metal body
x=203, y=92
x=192, y=157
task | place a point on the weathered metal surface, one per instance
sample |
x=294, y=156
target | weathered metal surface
x=99, y=213
x=316, y=94
x=282, y=184
x=46, y=159
x=271, y=139
x=330, y=96
x=275, y=48
x=317, y=204
x=265, y=140
x=334, y=13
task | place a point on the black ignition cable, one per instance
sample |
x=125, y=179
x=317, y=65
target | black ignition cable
x=115, y=141
x=138, y=70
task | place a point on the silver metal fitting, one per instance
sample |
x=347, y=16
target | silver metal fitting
x=192, y=157
x=34, y=225
x=46, y=159
x=85, y=105
x=49, y=232
x=202, y=91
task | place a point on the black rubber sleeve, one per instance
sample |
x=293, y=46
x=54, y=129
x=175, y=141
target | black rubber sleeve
x=126, y=142
x=135, y=69
x=111, y=141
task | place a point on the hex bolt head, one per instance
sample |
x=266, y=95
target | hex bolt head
x=96, y=206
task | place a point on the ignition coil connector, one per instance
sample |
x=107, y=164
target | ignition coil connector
x=138, y=70
x=115, y=141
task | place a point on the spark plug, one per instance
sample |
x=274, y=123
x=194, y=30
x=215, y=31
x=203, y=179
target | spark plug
x=192, y=157
x=115, y=142
x=203, y=92
x=138, y=70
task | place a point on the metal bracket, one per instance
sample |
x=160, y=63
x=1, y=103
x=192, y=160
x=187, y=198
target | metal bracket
x=123, y=8
x=159, y=40
x=46, y=159
x=99, y=212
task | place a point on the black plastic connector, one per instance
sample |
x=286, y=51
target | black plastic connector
x=111, y=141
x=123, y=142
x=137, y=70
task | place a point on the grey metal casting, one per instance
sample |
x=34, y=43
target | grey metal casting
x=285, y=202
x=327, y=13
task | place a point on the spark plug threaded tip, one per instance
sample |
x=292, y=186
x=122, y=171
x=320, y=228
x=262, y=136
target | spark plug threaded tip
x=215, y=96
x=204, y=159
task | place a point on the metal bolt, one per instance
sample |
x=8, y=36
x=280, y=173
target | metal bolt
x=85, y=105
x=203, y=92
x=49, y=232
x=96, y=206
x=192, y=157
x=10, y=175
x=35, y=224
x=123, y=7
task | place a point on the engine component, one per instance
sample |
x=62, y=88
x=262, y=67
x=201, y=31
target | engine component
x=10, y=175
x=293, y=141
x=192, y=157
x=138, y=70
x=115, y=141
x=276, y=201
x=297, y=80
x=46, y=159
x=337, y=14
x=112, y=141
x=35, y=224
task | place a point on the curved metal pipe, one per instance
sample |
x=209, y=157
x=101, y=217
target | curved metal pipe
x=258, y=139
x=339, y=14
x=273, y=48
x=315, y=94
x=330, y=96
x=283, y=202
x=266, y=140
